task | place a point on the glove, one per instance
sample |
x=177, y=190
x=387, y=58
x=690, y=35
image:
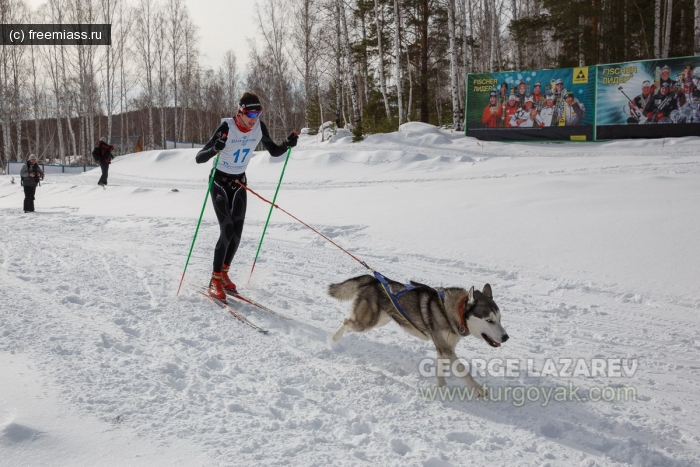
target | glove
x=291, y=140
x=220, y=143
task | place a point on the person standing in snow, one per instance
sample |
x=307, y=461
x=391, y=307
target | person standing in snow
x=235, y=140
x=31, y=175
x=103, y=155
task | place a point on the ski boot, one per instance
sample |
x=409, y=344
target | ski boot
x=226, y=281
x=216, y=288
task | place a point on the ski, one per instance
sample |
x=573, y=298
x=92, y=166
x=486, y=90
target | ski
x=249, y=301
x=234, y=313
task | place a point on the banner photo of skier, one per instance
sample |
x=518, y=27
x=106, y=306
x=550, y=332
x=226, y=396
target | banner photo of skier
x=531, y=105
x=649, y=99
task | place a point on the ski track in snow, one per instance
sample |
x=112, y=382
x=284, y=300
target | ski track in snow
x=180, y=368
x=92, y=302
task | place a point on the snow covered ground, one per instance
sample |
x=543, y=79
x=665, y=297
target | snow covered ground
x=592, y=251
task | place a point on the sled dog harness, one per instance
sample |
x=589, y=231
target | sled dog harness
x=394, y=298
x=463, y=329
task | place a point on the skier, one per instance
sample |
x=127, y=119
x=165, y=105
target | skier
x=103, y=155
x=492, y=112
x=234, y=140
x=31, y=175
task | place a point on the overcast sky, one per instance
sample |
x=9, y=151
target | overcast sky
x=223, y=25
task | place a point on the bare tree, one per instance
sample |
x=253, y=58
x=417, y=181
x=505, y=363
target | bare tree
x=162, y=71
x=176, y=17
x=397, y=59
x=145, y=32
x=378, y=18
x=109, y=9
x=657, y=28
x=190, y=72
x=667, y=28
x=230, y=80
x=275, y=36
x=303, y=40
x=14, y=69
x=456, y=107
x=36, y=94
x=350, y=71
x=4, y=93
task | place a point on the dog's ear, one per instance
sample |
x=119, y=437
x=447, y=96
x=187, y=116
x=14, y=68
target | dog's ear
x=471, y=296
x=487, y=291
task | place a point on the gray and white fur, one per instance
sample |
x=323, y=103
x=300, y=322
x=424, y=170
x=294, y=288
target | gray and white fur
x=372, y=308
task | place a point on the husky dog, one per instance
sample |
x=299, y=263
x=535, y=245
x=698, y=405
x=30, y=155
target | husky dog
x=461, y=314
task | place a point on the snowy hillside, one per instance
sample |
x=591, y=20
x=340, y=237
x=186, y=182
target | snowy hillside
x=591, y=249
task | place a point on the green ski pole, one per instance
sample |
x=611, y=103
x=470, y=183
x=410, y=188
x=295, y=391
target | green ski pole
x=289, y=151
x=211, y=180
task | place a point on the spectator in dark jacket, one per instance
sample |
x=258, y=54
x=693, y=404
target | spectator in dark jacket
x=103, y=155
x=31, y=175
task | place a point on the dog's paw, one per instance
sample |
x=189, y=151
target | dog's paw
x=480, y=392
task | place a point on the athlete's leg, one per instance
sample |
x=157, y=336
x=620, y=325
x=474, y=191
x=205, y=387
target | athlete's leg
x=220, y=200
x=238, y=209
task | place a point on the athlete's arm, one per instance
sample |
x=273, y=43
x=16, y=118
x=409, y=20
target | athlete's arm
x=270, y=145
x=208, y=151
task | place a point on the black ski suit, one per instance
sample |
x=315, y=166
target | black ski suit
x=228, y=198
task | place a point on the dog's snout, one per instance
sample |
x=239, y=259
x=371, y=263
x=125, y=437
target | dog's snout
x=505, y=338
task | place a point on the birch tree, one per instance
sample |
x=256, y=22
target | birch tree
x=36, y=96
x=176, y=17
x=303, y=41
x=145, y=32
x=230, y=78
x=378, y=18
x=350, y=72
x=667, y=28
x=397, y=59
x=109, y=15
x=456, y=107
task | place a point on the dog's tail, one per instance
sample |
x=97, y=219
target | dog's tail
x=347, y=290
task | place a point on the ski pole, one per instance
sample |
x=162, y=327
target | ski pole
x=289, y=151
x=211, y=180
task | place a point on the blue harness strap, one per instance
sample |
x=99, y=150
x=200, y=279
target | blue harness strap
x=393, y=297
x=441, y=294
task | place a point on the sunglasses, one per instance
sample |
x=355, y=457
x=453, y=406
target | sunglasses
x=250, y=113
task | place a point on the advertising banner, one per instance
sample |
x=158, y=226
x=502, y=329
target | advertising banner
x=531, y=105
x=649, y=99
